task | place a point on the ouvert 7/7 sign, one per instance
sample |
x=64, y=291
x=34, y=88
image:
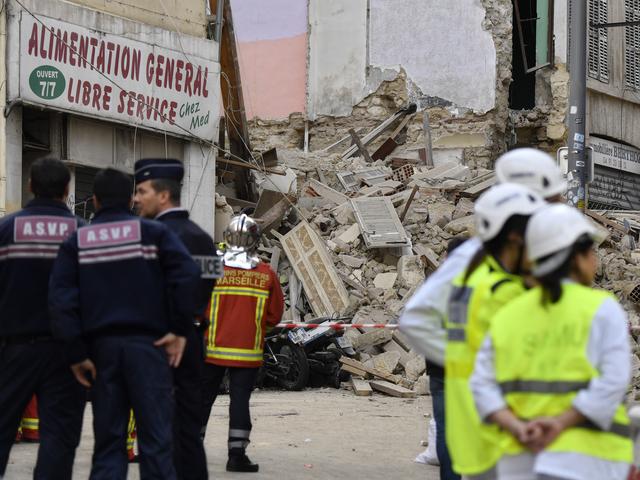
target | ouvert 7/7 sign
x=72, y=68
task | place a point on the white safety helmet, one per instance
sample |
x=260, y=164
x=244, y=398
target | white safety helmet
x=531, y=168
x=494, y=207
x=552, y=232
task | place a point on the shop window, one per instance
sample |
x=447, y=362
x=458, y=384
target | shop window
x=83, y=205
x=36, y=135
x=532, y=49
x=598, y=41
x=632, y=45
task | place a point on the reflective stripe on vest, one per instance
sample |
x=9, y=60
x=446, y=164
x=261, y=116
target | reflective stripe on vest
x=541, y=364
x=250, y=355
x=471, y=444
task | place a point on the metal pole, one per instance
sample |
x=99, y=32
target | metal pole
x=577, y=177
x=219, y=22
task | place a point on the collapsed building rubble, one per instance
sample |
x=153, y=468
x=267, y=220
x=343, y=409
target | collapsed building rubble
x=358, y=237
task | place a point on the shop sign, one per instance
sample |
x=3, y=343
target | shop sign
x=615, y=155
x=72, y=68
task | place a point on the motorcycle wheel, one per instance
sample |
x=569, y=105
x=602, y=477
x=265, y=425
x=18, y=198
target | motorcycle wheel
x=298, y=375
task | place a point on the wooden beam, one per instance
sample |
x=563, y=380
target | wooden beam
x=247, y=166
x=409, y=202
x=354, y=364
x=360, y=387
x=391, y=389
x=233, y=102
x=606, y=221
x=360, y=146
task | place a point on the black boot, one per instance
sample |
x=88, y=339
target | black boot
x=239, y=462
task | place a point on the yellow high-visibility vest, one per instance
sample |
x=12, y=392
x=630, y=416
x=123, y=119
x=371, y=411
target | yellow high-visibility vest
x=473, y=446
x=541, y=363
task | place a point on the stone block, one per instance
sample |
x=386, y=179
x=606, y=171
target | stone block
x=385, y=281
x=386, y=362
x=351, y=234
x=441, y=213
x=464, y=224
x=415, y=367
x=410, y=271
x=351, y=261
x=463, y=208
x=372, y=338
x=421, y=387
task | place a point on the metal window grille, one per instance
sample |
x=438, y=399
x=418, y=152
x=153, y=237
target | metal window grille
x=632, y=45
x=598, y=65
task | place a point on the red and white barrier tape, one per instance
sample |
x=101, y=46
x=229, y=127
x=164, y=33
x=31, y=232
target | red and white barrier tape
x=335, y=326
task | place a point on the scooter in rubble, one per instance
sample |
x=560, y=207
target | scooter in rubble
x=324, y=346
x=294, y=357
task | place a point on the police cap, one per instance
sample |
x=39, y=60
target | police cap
x=153, y=168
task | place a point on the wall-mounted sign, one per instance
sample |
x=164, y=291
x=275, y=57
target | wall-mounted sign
x=615, y=155
x=72, y=68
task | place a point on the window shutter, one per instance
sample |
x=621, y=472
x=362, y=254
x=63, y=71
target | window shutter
x=631, y=45
x=603, y=43
x=598, y=38
x=379, y=223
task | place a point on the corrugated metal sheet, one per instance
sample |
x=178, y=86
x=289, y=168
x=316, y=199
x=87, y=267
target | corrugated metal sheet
x=379, y=222
x=614, y=190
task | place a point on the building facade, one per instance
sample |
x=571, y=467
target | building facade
x=491, y=73
x=102, y=84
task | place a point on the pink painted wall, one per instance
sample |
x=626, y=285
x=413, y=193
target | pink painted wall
x=272, y=46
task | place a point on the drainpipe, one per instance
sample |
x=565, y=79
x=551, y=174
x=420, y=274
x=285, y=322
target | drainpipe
x=3, y=121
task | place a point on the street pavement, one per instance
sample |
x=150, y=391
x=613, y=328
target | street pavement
x=315, y=434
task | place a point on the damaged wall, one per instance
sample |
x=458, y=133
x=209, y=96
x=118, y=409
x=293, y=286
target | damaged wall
x=337, y=56
x=442, y=46
x=272, y=50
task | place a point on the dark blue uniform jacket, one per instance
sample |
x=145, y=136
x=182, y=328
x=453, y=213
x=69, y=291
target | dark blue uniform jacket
x=200, y=246
x=29, y=243
x=121, y=275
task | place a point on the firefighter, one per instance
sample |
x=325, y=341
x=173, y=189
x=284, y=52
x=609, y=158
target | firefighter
x=29, y=430
x=158, y=197
x=425, y=313
x=565, y=366
x=245, y=302
x=31, y=360
x=121, y=297
x=491, y=280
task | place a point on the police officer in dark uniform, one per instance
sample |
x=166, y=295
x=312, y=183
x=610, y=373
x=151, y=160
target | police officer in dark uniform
x=30, y=359
x=121, y=296
x=158, y=197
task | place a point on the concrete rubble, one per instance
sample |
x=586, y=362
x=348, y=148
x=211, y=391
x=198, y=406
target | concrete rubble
x=433, y=205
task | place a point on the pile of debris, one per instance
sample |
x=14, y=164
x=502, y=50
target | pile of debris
x=355, y=236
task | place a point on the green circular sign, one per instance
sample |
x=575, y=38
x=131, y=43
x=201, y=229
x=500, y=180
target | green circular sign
x=47, y=82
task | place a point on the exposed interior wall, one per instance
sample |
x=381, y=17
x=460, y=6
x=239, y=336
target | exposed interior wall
x=544, y=126
x=456, y=64
x=364, y=67
x=189, y=16
x=337, y=56
x=272, y=50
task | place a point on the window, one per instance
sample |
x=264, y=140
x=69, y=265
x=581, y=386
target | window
x=532, y=49
x=598, y=65
x=631, y=45
x=534, y=23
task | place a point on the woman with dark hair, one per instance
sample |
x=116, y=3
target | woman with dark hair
x=492, y=279
x=555, y=367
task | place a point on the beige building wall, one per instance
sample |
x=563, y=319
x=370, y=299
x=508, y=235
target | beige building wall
x=189, y=15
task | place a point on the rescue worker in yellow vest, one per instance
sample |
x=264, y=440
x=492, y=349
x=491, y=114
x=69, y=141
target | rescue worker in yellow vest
x=555, y=367
x=490, y=281
x=244, y=303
